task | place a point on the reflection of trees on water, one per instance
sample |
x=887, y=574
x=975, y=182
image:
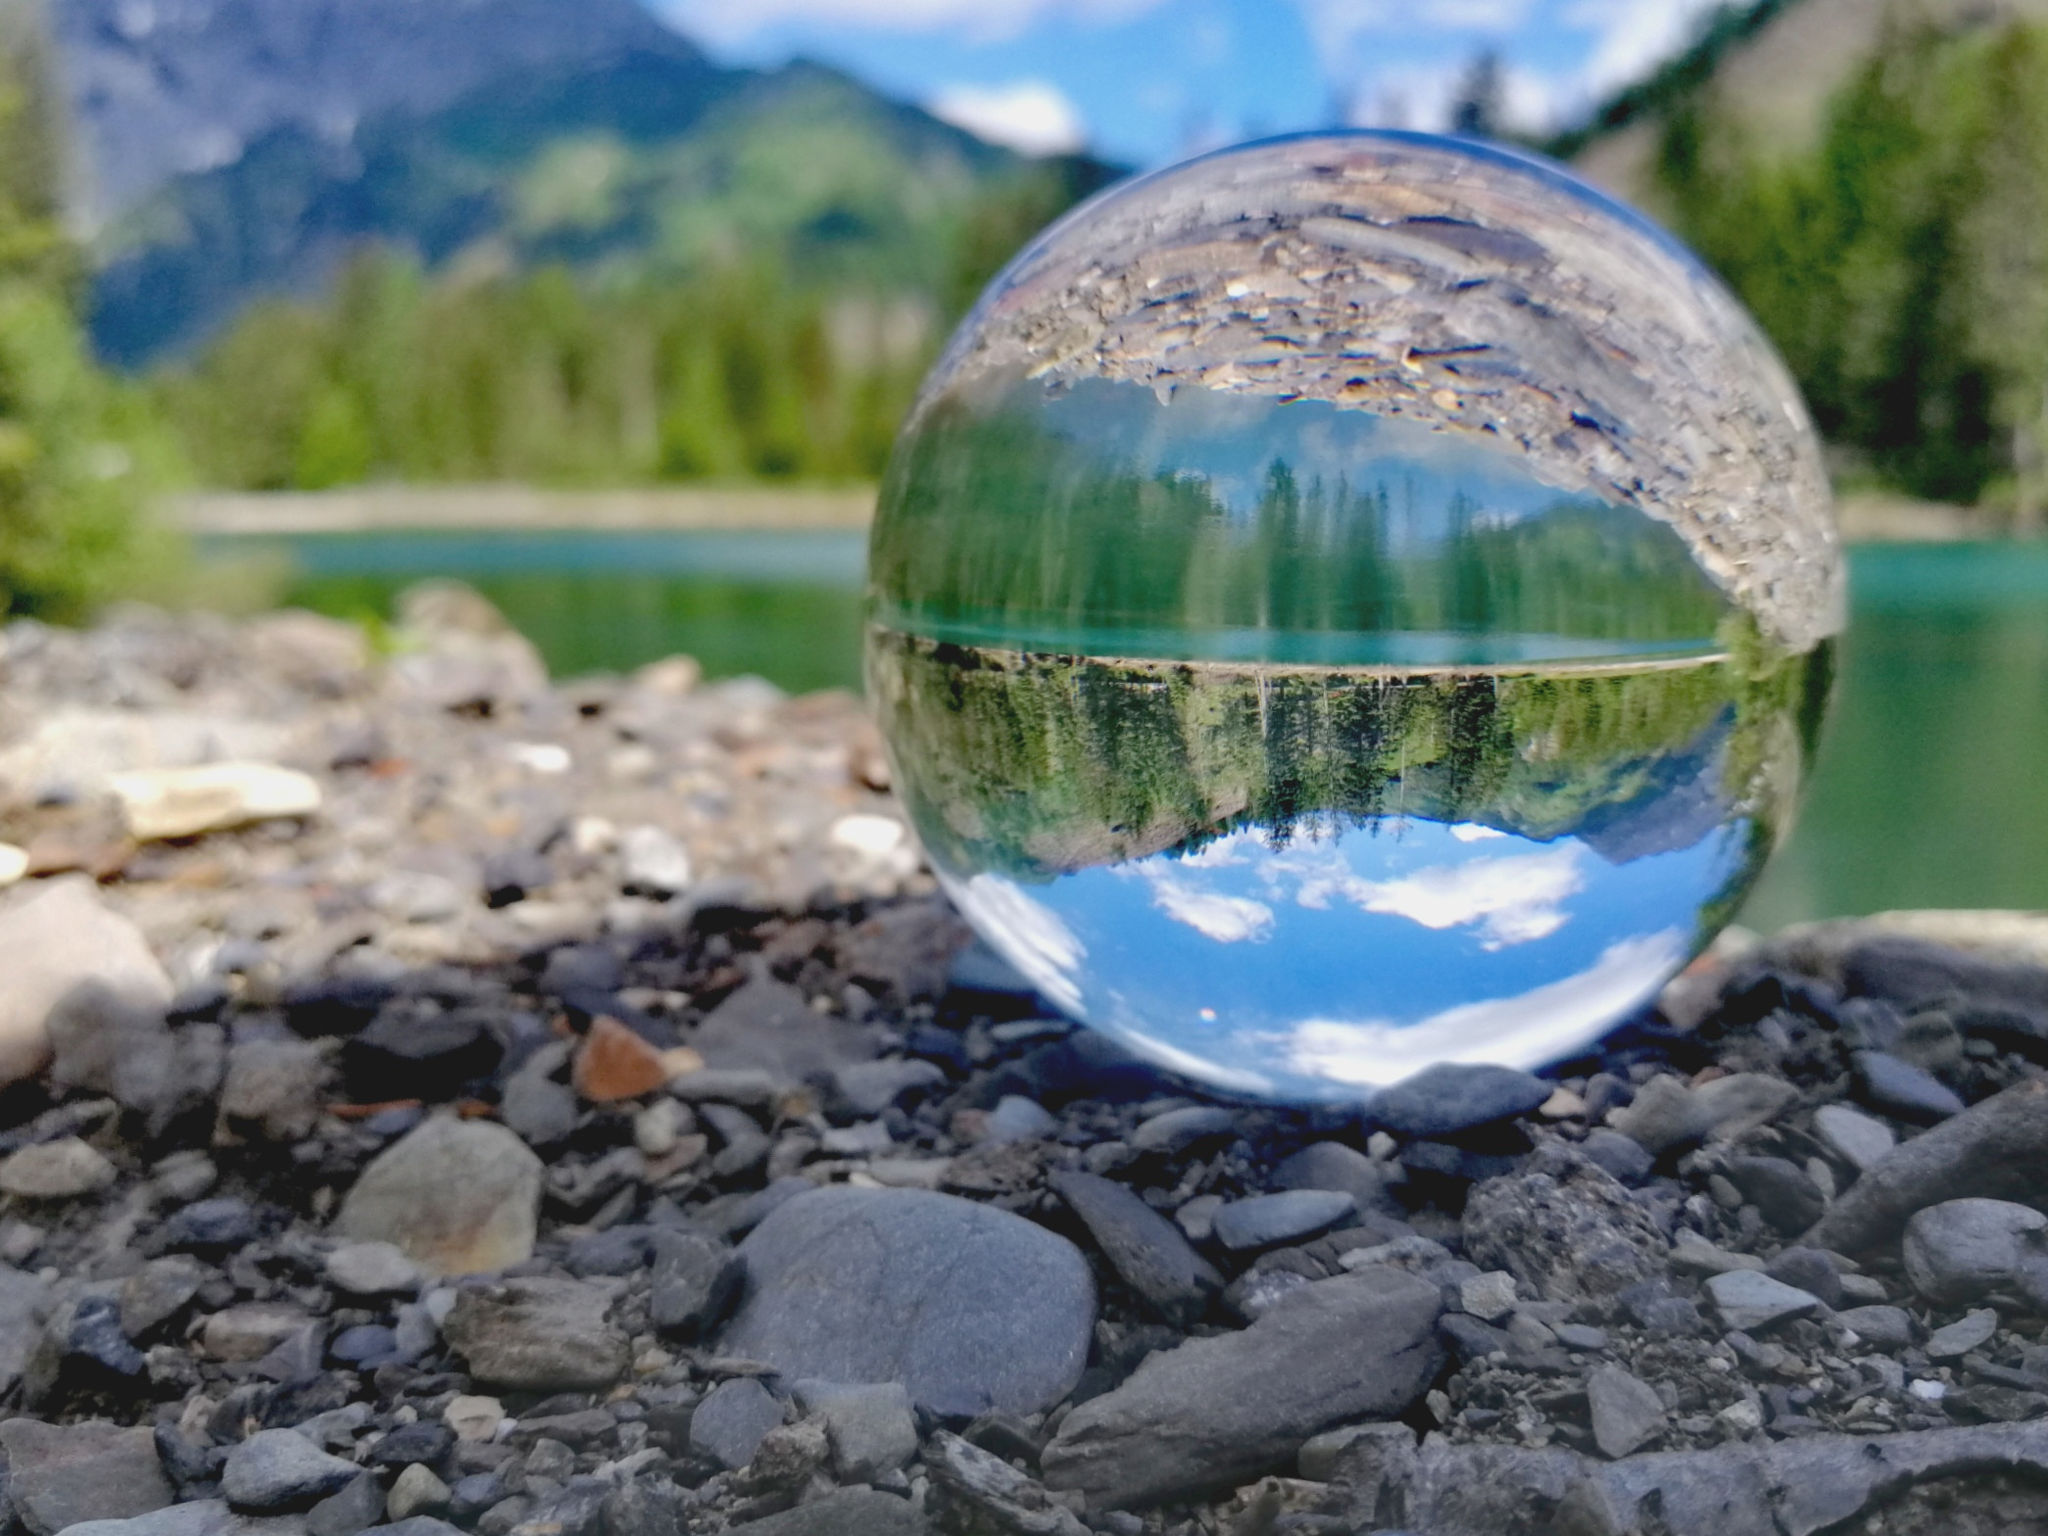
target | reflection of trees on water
x=1040, y=765
x=992, y=518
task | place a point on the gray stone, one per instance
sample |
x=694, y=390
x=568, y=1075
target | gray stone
x=538, y=1335
x=59, y=1476
x=1996, y=1149
x=769, y=1026
x=970, y=1307
x=849, y=1512
x=1971, y=1331
x=1808, y=1269
x=1853, y=1136
x=870, y=1427
x=1667, y=1114
x=975, y=1489
x=867, y=1088
x=1622, y=1156
x=1902, y=1089
x=159, y=1291
x=55, y=1170
x=61, y=948
x=416, y=1491
x=1451, y=1097
x=273, y=1088
x=1627, y=1413
x=1965, y=1250
x=694, y=1281
x=1146, y=1249
x=1563, y=1227
x=536, y=1108
x=204, y=1517
x=1886, y=1327
x=732, y=1420
x=1266, y=1221
x=1489, y=1296
x=251, y=1330
x=1175, y=1131
x=26, y=1303
x=1747, y=1300
x=1780, y=1189
x=1016, y=1118
x=1216, y=1412
x=457, y=1197
x=281, y=1469
x=372, y=1269
x=353, y=1510
x=1332, y=1165
x=427, y=1525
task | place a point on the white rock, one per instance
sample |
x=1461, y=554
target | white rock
x=55, y=1170
x=473, y=1418
x=372, y=1269
x=54, y=941
x=13, y=863
x=540, y=756
x=654, y=860
x=185, y=802
x=1489, y=1297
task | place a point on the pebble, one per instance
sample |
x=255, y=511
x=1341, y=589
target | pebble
x=1016, y=1118
x=1781, y=1190
x=1448, y=1098
x=1902, y=1089
x=279, y=1469
x=1972, y=1331
x=1146, y=1249
x=870, y=1427
x=1627, y=1413
x=1854, y=1137
x=613, y=1063
x=1879, y=1325
x=416, y=1491
x=1748, y=1300
x=970, y=1307
x=162, y=803
x=55, y=1170
x=1266, y=1221
x=1564, y=1228
x=457, y=1197
x=60, y=944
x=372, y=1269
x=251, y=1330
x=538, y=1335
x=731, y=1422
x=1331, y=1165
x=695, y=1279
x=1178, y=1130
x=1216, y=1412
x=61, y=1475
x=1489, y=1296
x=1667, y=1114
x=473, y=1417
x=769, y=1026
x=1964, y=1250
x=654, y=861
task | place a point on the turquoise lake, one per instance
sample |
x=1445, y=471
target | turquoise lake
x=1931, y=788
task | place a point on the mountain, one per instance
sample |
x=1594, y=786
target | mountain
x=160, y=88
x=1771, y=65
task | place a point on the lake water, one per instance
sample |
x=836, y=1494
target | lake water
x=1929, y=790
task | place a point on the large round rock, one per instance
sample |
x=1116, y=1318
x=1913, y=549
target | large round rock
x=970, y=1307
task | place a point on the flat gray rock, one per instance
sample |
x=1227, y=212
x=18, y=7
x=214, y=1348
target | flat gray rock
x=695, y=1277
x=968, y=1306
x=849, y=1512
x=60, y=1475
x=1900, y=1088
x=1146, y=1249
x=1971, y=1331
x=769, y=1026
x=538, y=1335
x=1886, y=1327
x=1996, y=1149
x=870, y=1427
x=732, y=1420
x=1267, y=1221
x=202, y=1517
x=1332, y=1165
x=1853, y=1136
x=1668, y=1114
x=1451, y=1097
x=1747, y=1300
x=278, y=1469
x=1217, y=1412
x=1965, y=1250
x=1627, y=1413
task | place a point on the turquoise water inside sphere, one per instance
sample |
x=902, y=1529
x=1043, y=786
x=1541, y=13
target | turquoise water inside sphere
x=1351, y=603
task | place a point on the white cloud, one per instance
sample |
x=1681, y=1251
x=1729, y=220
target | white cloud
x=1531, y=1030
x=1511, y=899
x=1226, y=919
x=1033, y=116
x=728, y=23
x=1027, y=933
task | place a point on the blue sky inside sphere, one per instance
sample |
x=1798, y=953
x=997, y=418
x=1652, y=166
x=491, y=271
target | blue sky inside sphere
x=1145, y=82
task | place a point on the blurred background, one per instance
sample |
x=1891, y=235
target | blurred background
x=611, y=309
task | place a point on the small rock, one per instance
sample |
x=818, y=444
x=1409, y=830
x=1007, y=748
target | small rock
x=1564, y=1228
x=848, y=1512
x=969, y=1306
x=357, y=1507
x=1449, y=1097
x=731, y=1422
x=211, y=1226
x=158, y=1291
x=473, y=1418
x=538, y=1335
x=1667, y=1114
x=59, y=1476
x=1748, y=1300
x=273, y=1089
x=867, y=1088
x=613, y=1063
x=1266, y=1221
x=404, y=1056
x=695, y=1280
x=1810, y=1270
x=1902, y=1089
x=658, y=1127
x=457, y=1197
x=1016, y=1118
x=252, y=1330
x=416, y=1491
x=769, y=1026
x=654, y=861
x=1885, y=1327
x=1627, y=1413
x=536, y=1108
x=372, y=1269
x=161, y=803
x=1780, y=1189
x=1622, y=1156
x=1143, y=1247
x=975, y=1488
x=60, y=946
x=1334, y=1166
x=277, y=1469
x=1972, y=1331
x=1854, y=1137
x=1489, y=1296
x=55, y=1170
x=1965, y=1250
x=1177, y=1130
x=870, y=1427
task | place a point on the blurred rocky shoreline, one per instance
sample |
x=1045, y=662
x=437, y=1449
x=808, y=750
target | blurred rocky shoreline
x=443, y=1099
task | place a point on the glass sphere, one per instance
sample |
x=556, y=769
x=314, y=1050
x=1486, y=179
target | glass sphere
x=1349, y=603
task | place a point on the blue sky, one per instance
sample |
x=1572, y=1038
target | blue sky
x=1147, y=81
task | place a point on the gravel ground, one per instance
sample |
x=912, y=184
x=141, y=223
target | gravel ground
x=436, y=1098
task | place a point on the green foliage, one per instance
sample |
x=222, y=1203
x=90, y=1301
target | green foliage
x=76, y=449
x=1902, y=265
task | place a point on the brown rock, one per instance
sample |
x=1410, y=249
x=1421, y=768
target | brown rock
x=614, y=1063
